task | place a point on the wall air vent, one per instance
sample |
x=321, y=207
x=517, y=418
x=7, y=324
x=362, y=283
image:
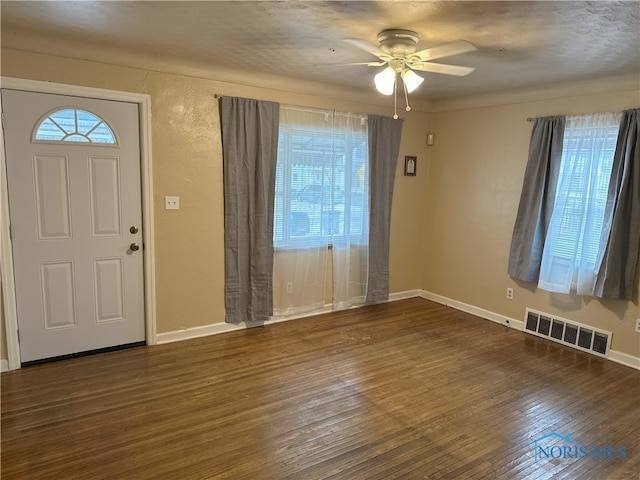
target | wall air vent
x=568, y=332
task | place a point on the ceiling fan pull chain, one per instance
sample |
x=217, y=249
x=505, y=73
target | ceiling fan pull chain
x=395, y=99
x=406, y=97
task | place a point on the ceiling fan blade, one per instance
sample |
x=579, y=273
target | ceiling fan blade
x=442, y=68
x=446, y=50
x=368, y=64
x=364, y=45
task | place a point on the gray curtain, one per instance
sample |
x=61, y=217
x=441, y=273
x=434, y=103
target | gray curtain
x=249, y=147
x=384, y=144
x=618, y=267
x=537, y=198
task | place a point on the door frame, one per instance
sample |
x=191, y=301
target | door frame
x=146, y=179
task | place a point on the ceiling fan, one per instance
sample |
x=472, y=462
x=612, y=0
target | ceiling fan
x=397, y=50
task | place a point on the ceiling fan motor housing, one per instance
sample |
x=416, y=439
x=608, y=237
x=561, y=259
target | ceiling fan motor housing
x=398, y=43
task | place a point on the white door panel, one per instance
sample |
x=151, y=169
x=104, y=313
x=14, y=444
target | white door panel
x=79, y=286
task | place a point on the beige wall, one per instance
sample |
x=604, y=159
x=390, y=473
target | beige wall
x=187, y=162
x=3, y=332
x=473, y=188
x=451, y=224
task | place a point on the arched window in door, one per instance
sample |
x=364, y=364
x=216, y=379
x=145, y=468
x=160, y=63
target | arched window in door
x=72, y=125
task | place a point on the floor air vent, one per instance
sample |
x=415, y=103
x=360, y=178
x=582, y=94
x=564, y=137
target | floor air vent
x=567, y=332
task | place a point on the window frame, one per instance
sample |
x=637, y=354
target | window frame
x=64, y=140
x=573, y=245
x=287, y=241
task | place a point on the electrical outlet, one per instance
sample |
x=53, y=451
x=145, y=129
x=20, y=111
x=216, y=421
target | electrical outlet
x=172, y=203
x=289, y=287
x=638, y=325
x=510, y=293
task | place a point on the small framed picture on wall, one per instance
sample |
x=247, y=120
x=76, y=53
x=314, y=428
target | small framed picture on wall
x=410, y=164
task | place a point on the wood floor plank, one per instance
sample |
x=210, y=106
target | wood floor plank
x=409, y=389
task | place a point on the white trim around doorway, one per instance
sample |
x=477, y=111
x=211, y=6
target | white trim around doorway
x=6, y=249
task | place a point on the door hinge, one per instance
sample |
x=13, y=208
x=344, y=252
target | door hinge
x=2, y=114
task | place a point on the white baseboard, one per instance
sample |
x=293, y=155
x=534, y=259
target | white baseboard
x=222, y=327
x=478, y=312
x=624, y=359
x=4, y=365
x=196, y=332
x=613, y=355
x=216, y=328
x=404, y=295
x=326, y=309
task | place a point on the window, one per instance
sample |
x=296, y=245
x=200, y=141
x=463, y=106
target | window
x=573, y=245
x=74, y=126
x=321, y=177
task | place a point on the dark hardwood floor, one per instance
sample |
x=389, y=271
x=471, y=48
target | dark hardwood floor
x=410, y=389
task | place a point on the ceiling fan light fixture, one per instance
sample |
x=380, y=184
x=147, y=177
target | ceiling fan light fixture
x=411, y=79
x=397, y=50
x=385, y=81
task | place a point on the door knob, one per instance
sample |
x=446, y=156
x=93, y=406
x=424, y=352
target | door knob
x=133, y=229
x=134, y=247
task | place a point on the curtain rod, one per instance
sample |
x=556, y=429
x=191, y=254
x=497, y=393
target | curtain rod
x=532, y=119
x=313, y=109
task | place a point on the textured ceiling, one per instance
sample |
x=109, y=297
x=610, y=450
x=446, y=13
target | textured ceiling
x=520, y=44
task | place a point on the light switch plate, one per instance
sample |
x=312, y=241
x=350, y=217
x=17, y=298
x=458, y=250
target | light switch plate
x=172, y=203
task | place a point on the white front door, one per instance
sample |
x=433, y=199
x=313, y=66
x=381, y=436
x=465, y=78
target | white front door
x=73, y=170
